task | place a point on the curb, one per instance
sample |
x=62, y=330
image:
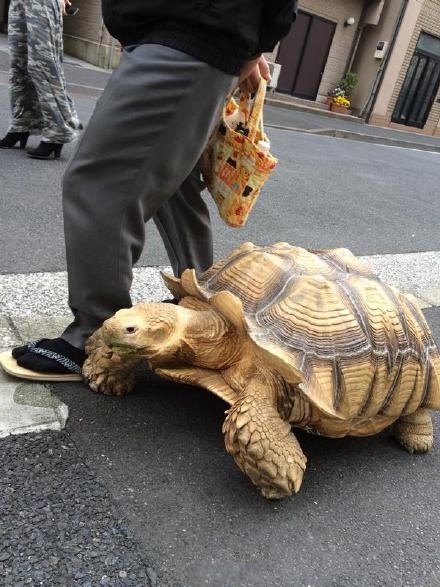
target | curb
x=28, y=406
x=358, y=136
x=367, y=138
x=67, y=58
x=312, y=110
x=77, y=62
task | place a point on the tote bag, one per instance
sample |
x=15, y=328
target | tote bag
x=236, y=162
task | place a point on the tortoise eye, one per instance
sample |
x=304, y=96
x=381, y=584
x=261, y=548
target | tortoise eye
x=130, y=329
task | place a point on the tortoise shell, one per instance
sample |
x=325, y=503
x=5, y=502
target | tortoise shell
x=361, y=347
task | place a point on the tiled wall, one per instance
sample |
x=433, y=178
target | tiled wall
x=428, y=22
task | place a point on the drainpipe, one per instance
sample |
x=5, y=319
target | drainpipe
x=356, y=41
x=112, y=52
x=100, y=44
x=371, y=100
x=355, y=47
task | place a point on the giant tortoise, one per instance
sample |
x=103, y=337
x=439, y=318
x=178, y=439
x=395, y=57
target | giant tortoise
x=288, y=337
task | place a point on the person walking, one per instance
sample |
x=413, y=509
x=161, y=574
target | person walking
x=40, y=103
x=138, y=158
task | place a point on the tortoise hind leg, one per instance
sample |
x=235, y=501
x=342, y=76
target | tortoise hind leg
x=414, y=431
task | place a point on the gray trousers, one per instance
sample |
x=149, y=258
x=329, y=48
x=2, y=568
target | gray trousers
x=137, y=160
x=39, y=99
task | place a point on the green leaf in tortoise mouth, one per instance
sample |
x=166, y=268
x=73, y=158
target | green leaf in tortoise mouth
x=122, y=349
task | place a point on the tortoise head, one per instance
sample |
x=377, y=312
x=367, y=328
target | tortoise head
x=150, y=331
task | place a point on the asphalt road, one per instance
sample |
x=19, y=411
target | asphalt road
x=151, y=469
x=369, y=198
x=367, y=513
x=326, y=192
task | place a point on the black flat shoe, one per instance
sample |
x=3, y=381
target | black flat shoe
x=45, y=150
x=12, y=138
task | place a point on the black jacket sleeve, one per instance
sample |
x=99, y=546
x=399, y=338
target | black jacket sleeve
x=276, y=20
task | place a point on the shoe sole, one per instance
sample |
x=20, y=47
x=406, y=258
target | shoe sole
x=10, y=366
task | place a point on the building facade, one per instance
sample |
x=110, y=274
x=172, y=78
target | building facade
x=315, y=54
x=393, y=46
x=409, y=96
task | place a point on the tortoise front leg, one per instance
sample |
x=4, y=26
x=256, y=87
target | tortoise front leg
x=105, y=371
x=262, y=443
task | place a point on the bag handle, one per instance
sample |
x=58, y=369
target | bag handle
x=255, y=122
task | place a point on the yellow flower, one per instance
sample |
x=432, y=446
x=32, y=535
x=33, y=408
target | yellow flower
x=341, y=101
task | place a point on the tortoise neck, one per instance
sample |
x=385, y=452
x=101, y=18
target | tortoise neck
x=209, y=340
x=252, y=367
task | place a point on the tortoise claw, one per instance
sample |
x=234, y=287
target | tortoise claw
x=107, y=381
x=104, y=372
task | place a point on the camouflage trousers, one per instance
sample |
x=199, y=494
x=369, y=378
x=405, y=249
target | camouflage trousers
x=40, y=103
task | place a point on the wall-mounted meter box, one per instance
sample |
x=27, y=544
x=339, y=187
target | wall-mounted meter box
x=381, y=49
x=275, y=70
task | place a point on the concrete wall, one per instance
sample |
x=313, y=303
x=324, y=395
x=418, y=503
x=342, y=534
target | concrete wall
x=86, y=37
x=364, y=63
x=421, y=16
x=84, y=34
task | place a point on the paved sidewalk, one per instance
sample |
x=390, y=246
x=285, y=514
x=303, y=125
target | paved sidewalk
x=297, y=119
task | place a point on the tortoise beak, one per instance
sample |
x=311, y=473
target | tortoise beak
x=121, y=336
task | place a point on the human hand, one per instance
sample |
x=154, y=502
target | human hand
x=252, y=73
x=65, y=5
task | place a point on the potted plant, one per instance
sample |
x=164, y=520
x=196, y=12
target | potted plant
x=348, y=83
x=344, y=89
x=338, y=91
x=340, y=104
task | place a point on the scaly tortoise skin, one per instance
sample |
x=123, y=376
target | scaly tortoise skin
x=287, y=337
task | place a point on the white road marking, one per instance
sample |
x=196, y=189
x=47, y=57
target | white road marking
x=415, y=273
x=45, y=294
x=408, y=148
